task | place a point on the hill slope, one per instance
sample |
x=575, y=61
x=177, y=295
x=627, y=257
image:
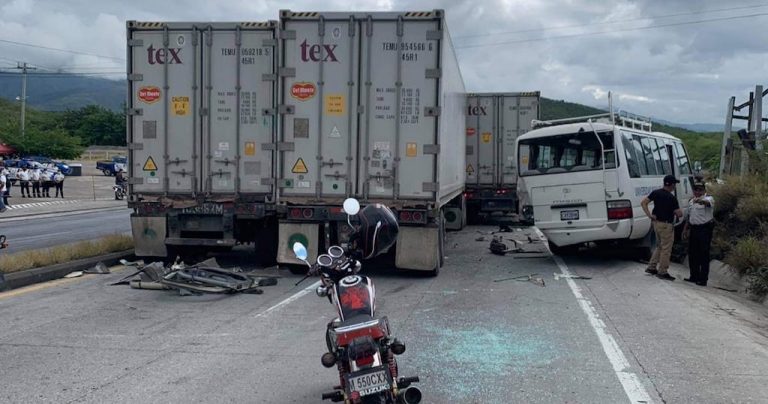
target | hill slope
x=59, y=93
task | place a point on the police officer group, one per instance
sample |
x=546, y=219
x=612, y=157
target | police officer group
x=698, y=222
x=34, y=182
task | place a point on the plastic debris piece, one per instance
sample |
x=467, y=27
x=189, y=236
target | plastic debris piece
x=75, y=274
x=99, y=268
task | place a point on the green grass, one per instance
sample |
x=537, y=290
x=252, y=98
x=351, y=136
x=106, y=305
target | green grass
x=65, y=253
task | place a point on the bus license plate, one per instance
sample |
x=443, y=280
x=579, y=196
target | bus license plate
x=369, y=383
x=569, y=215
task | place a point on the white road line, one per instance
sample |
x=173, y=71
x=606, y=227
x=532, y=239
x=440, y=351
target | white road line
x=295, y=297
x=632, y=386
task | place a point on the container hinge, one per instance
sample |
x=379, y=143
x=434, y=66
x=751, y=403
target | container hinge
x=135, y=42
x=183, y=173
x=433, y=74
x=286, y=146
x=136, y=77
x=431, y=149
x=135, y=146
x=269, y=42
x=285, y=109
x=135, y=181
x=287, y=72
x=369, y=26
x=287, y=34
x=268, y=146
x=268, y=111
x=135, y=111
x=268, y=77
x=351, y=29
x=431, y=111
x=267, y=181
x=430, y=186
x=221, y=173
x=434, y=35
x=400, y=24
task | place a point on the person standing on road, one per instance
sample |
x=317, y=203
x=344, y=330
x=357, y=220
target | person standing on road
x=665, y=209
x=700, y=221
x=34, y=177
x=47, y=181
x=3, y=181
x=58, y=180
x=23, y=176
x=6, y=192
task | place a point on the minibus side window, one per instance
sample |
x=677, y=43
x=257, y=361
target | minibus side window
x=650, y=162
x=639, y=153
x=629, y=152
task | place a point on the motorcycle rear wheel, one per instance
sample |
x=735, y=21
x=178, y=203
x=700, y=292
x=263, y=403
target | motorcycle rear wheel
x=381, y=398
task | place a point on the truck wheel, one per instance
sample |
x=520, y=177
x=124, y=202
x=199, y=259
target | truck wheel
x=106, y=172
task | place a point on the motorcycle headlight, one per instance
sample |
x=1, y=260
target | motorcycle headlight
x=321, y=291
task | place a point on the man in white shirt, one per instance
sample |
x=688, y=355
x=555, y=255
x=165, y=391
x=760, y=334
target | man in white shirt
x=3, y=181
x=34, y=177
x=700, y=221
x=23, y=176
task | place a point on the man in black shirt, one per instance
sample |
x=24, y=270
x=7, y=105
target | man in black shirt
x=665, y=209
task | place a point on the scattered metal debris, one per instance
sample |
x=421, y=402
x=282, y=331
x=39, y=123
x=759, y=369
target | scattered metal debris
x=75, y=274
x=201, y=278
x=536, y=280
x=570, y=276
x=725, y=289
x=99, y=268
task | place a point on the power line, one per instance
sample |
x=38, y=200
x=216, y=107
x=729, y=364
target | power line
x=60, y=50
x=611, y=22
x=611, y=31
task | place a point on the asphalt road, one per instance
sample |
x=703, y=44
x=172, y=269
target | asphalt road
x=473, y=336
x=43, y=232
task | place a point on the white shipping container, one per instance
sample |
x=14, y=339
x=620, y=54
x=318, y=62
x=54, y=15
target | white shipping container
x=372, y=107
x=494, y=122
x=201, y=108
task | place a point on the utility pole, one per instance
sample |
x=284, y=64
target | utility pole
x=23, y=67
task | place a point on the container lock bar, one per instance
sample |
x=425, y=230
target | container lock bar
x=431, y=149
x=431, y=111
x=430, y=186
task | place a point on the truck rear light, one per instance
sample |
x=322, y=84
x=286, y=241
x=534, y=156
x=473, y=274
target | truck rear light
x=405, y=216
x=469, y=195
x=502, y=192
x=308, y=213
x=295, y=213
x=417, y=216
x=364, y=361
x=619, y=209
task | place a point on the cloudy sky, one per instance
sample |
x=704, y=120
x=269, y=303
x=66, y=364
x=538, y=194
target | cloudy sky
x=677, y=60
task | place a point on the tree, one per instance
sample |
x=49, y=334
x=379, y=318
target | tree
x=95, y=125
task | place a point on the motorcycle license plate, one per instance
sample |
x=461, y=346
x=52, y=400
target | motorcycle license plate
x=569, y=215
x=368, y=382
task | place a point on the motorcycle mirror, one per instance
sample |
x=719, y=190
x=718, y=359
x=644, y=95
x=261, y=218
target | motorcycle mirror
x=300, y=251
x=351, y=206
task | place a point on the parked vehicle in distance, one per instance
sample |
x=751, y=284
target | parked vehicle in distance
x=585, y=177
x=42, y=162
x=112, y=167
x=494, y=122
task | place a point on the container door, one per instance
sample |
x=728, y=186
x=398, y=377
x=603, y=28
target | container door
x=399, y=126
x=239, y=127
x=165, y=94
x=319, y=93
x=481, y=129
x=515, y=115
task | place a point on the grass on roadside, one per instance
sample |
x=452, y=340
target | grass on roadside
x=64, y=253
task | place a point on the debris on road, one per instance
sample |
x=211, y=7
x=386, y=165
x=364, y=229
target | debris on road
x=99, y=268
x=204, y=277
x=536, y=280
x=569, y=276
x=75, y=274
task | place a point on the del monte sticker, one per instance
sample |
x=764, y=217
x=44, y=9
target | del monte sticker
x=149, y=94
x=303, y=90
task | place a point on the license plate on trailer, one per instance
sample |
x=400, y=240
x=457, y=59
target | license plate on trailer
x=369, y=382
x=569, y=215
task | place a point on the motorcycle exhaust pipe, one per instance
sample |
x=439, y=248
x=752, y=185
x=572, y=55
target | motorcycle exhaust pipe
x=410, y=395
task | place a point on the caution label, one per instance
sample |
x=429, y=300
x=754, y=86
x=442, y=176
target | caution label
x=334, y=104
x=299, y=167
x=180, y=106
x=411, y=149
x=250, y=148
x=150, y=165
x=470, y=169
x=486, y=137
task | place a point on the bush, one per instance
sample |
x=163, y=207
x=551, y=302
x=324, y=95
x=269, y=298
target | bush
x=753, y=208
x=65, y=253
x=748, y=255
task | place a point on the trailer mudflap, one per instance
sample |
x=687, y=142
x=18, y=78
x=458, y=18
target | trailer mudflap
x=149, y=236
x=304, y=233
x=417, y=248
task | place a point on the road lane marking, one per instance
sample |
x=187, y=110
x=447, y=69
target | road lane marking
x=632, y=386
x=295, y=297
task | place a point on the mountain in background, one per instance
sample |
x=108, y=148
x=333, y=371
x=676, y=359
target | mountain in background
x=49, y=92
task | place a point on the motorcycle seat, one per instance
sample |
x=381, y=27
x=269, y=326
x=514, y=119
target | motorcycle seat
x=356, y=319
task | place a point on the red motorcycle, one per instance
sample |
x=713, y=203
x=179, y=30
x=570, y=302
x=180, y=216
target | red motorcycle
x=360, y=344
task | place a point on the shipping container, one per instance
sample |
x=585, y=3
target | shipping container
x=201, y=130
x=371, y=107
x=494, y=122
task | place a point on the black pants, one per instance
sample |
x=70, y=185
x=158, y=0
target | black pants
x=36, y=189
x=60, y=189
x=698, y=251
x=47, y=188
x=24, y=185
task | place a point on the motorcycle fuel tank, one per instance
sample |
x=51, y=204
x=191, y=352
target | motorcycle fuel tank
x=355, y=296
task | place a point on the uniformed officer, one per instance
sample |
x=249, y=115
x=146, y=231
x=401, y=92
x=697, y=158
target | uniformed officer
x=700, y=222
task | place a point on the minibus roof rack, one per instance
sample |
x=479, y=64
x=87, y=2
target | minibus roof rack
x=621, y=118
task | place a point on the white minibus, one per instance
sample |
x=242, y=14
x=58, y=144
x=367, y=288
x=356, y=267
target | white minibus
x=574, y=196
